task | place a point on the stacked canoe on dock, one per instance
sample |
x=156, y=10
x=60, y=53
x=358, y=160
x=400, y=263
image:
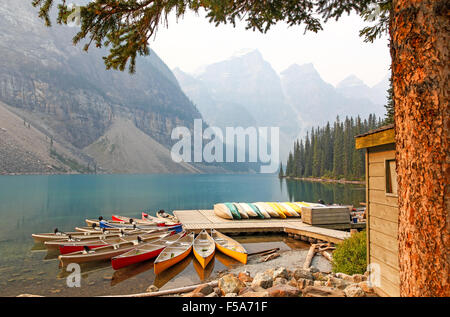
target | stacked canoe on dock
x=261, y=210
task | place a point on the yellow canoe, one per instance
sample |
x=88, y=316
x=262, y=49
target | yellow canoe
x=291, y=210
x=303, y=204
x=204, y=273
x=277, y=209
x=163, y=278
x=272, y=213
x=284, y=210
x=174, y=253
x=295, y=207
x=204, y=248
x=230, y=247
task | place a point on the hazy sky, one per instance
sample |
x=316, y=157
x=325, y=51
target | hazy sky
x=336, y=52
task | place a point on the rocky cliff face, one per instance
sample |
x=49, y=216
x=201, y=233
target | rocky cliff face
x=67, y=93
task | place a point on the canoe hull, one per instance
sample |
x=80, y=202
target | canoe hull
x=162, y=266
x=120, y=262
x=204, y=248
x=250, y=212
x=241, y=211
x=283, y=209
x=168, y=217
x=231, y=247
x=234, y=212
x=66, y=249
x=272, y=213
x=262, y=213
x=220, y=210
x=65, y=260
x=44, y=237
x=203, y=261
x=160, y=222
x=241, y=257
x=295, y=207
x=290, y=209
x=277, y=209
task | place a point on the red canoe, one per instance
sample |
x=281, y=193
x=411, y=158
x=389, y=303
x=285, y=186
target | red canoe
x=144, y=252
x=65, y=249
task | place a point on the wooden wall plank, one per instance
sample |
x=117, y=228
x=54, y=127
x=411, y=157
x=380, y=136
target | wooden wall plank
x=384, y=255
x=384, y=211
x=387, y=271
x=380, y=154
x=384, y=240
x=387, y=227
x=376, y=169
x=377, y=182
x=379, y=196
x=389, y=288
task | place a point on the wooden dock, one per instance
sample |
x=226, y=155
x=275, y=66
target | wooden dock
x=197, y=220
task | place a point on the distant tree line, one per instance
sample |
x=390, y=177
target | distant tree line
x=389, y=106
x=330, y=152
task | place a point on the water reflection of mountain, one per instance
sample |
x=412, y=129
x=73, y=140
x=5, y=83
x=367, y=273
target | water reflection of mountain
x=331, y=193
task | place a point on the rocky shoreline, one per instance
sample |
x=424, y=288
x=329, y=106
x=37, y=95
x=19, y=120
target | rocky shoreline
x=281, y=282
x=281, y=275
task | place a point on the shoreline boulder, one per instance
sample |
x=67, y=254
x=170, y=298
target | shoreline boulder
x=229, y=283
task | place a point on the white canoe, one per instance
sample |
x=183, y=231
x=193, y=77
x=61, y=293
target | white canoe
x=222, y=211
x=241, y=210
x=268, y=209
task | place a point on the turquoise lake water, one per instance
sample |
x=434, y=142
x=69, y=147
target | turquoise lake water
x=34, y=204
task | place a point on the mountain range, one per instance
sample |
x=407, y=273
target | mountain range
x=245, y=90
x=61, y=111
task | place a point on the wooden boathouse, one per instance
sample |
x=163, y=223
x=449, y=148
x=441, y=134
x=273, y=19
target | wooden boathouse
x=382, y=208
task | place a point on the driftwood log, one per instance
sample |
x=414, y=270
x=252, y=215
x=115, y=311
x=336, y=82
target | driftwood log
x=322, y=248
x=167, y=292
x=327, y=255
x=265, y=252
x=309, y=256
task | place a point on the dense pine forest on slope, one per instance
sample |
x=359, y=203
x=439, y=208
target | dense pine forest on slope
x=329, y=152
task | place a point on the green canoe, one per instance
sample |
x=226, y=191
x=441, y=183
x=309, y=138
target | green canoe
x=260, y=215
x=234, y=211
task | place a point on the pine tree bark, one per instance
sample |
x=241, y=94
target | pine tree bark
x=419, y=51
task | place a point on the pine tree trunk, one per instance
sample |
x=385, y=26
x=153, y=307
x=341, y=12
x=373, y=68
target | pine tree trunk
x=419, y=50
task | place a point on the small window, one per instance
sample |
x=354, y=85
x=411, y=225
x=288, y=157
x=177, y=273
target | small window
x=391, y=178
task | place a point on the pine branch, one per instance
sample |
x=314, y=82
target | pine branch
x=125, y=26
